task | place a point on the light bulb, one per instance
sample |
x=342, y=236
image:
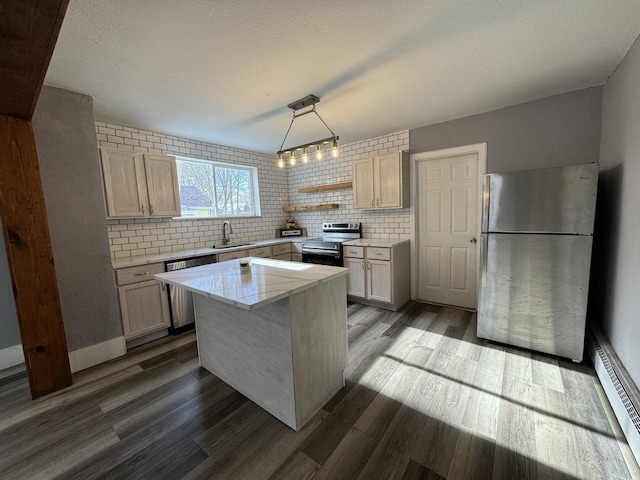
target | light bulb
x=318, y=153
x=334, y=149
x=305, y=155
x=292, y=159
x=280, y=162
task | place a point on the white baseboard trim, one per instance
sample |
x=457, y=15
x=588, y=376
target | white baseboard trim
x=11, y=356
x=87, y=357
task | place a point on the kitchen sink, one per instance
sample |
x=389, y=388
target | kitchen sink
x=232, y=245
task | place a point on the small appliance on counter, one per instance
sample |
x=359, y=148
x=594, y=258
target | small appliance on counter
x=291, y=232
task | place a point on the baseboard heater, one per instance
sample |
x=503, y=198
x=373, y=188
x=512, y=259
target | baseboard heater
x=620, y=389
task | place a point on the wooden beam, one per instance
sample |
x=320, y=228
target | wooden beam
x=28, y=32
x=33, y=276
x=322, y=188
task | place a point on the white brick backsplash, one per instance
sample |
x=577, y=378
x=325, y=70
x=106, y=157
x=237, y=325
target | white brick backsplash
x=278, y=187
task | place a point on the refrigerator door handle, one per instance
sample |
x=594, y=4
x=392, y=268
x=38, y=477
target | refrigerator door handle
x=486, y=197
x=484, y=246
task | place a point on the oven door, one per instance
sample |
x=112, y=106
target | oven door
x=322, y=256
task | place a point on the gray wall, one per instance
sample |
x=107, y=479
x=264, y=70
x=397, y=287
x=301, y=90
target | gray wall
x=9, y=331
x=64, y=130
x=614, y=291
x=554, y=131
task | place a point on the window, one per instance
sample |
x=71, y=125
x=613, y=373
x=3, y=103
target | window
x=214, y=189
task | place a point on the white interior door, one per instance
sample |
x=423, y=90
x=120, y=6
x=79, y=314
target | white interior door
x=447, y=227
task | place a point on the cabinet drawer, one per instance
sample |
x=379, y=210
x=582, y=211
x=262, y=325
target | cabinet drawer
x=264, y=252
x=140, y=273
x=354, y=252
x=280, y=249
x=296, y=247
x=379, y=253
x=223, y=257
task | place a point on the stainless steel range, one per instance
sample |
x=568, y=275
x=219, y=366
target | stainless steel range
x=328, y=249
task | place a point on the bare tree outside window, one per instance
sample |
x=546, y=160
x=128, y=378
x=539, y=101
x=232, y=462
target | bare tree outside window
x=214, y=189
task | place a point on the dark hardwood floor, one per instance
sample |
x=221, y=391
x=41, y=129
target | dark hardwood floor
x=424, y=400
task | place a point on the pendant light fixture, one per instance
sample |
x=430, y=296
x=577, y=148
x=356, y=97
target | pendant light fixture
x=290, y=152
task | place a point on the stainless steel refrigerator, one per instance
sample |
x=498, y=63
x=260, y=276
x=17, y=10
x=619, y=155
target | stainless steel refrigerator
x=535, y=257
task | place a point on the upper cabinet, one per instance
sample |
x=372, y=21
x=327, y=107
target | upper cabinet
x=140, y=185
x=381, y=182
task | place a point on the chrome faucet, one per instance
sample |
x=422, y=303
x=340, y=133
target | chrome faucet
x=225, y=236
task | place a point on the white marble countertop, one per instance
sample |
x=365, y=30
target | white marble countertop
x=195, y=252
x=268, y=281
x=376, y=242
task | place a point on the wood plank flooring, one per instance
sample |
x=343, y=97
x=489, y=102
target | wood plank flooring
x=424, y=399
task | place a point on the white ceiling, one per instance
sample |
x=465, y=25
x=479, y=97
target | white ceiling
x=223, y=71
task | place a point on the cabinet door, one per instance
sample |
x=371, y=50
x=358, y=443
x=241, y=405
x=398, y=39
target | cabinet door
x=124, y=184
x=379, y=280
x=296, y=257
x=223, y=257
x=363, y=192
x=162, y=185
x=282, y=256
x=145, y=308
x=355, y=278
x=388, y=181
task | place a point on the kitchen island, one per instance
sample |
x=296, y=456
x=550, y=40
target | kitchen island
x=277, y=334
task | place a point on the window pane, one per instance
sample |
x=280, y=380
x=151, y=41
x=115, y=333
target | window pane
x=196, y=188
x=214, y=189
x=234, y=192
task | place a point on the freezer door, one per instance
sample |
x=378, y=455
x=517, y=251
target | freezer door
x=547, y=200
x=533, y=291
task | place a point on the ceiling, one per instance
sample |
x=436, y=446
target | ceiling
x=223, y=71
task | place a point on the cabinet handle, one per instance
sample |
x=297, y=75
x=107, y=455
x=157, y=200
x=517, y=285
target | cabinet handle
x=142, y=206
x=163, y=286
x=372, y=202
x=377, y=202
x=151, y=209
x=140, y=274
x=377, y=253
x=363, y=265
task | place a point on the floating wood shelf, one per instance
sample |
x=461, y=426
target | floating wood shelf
x=299, y=208
x=322, y=188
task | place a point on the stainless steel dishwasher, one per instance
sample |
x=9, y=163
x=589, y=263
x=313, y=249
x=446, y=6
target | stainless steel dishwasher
x=181, y=300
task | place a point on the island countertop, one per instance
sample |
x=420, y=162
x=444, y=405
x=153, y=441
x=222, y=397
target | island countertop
x=268, y=280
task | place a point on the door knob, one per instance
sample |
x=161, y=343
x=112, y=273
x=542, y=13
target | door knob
x=473, y=240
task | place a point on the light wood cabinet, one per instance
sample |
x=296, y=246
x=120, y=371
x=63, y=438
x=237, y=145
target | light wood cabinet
x=356, y=277
x=223, y=257
x=262, y=252
x=144, y=303
x=381, y=182
x=378, y=276
x=140, y=185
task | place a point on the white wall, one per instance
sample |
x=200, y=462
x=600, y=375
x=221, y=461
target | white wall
x=151, y=236
x=615, y=286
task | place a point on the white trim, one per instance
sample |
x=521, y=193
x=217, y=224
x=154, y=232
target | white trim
x=99, y=353
x=11, y=356
x=481, y=150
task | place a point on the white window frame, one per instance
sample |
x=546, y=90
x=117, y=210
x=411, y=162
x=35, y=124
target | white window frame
x=253, y=187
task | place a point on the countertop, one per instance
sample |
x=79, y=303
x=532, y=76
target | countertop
x=197, y=252
x=376, y=242
x=268, y=281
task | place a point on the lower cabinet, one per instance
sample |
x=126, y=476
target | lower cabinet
x=281, y=251
x=378, y=275
x=223, y=257
x=144, y=303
